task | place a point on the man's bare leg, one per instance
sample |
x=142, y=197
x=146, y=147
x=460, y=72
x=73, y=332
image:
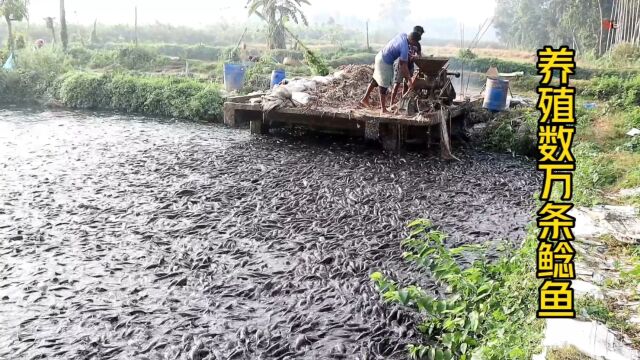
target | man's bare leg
x=383, y=100
x=394, y=93
x=365, y=100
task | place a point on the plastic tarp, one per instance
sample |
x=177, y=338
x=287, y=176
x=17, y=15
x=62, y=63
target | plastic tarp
x=10, y=64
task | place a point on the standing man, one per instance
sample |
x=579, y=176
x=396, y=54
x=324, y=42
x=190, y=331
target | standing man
x=420, y=30
x=414, y=51
x=396, y=49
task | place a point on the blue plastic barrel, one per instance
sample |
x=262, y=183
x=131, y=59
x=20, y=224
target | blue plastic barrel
x=233, y=76
x=276, y=77
x=496, y=94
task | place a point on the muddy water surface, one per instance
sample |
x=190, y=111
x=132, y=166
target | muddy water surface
x=125, y=237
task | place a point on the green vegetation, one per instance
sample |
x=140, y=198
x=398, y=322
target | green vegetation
x=490, y=311
x=606, y=312
x=481, y=64
x=567, y=353
x=315, y=62
x=607, y=159
x=163, y=96
x=48, y=74
x=13, y=10
x=276, y=14
x=533, y=24
x=514, y=131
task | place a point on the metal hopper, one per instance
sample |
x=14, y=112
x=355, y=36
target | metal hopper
x=431, y=66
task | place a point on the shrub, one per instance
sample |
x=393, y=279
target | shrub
x=21, y=43
x=4, y=54
x=36, y=72
x=137, y=58
x=83, y=90
x=203, y=52
x=491, y=307
x=102, y=59
x=162, y=96
x=593, y=173
x=467, y=54
x=206, y=104
x=632, y=118
x=195, y=52
x=514, y=131
x=13, y=90
x=624, y=54
x=619, y=91
x=80, y=56
x=604, y=87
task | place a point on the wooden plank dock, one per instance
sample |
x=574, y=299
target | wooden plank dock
x=394, y=131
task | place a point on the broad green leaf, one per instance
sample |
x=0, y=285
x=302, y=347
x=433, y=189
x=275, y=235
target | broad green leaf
x=448, y=355
x=474, y=321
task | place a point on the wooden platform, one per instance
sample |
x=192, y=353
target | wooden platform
x=393, y=130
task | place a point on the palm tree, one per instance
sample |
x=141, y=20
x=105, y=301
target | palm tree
x=275, y=13
x=13, y=10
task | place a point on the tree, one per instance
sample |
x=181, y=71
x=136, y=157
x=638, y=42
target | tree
x=13, y=10
x=93, y=38
x=64, y=36
x=52, y=27
x=276, y=13
x=534, y=23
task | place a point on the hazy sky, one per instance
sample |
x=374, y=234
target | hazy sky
x=203, y=12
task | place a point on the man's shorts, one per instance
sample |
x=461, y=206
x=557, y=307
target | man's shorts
x=383, y=72
x=397, y=76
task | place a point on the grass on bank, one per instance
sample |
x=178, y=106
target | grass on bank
x=566, y=353
x=607, y=160
x=162, y=96
x=609, y=313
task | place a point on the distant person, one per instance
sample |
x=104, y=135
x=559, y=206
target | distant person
x=397, y=49
x=39, y=44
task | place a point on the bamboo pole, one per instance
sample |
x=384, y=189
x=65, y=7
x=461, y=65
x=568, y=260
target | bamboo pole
x=620, y=37
x=601, y=29
x=627, y=30
x=623, y=9
x=625, y=16
x=368, y=46
x=620, y=21
x=136, y=25
x=625, y=33
x=606, y=45
x=620, y=29
x=614, y=18
x=630, y=17
x=635, y=23
x=628, y=21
